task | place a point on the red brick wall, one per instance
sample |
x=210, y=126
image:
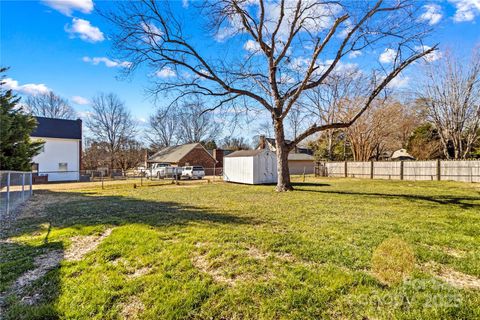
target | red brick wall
x=198, y=156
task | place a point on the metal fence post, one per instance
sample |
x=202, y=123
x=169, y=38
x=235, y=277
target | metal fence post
x=346, y=165
x=31, y=183
x=23, y=186
x=8, y=193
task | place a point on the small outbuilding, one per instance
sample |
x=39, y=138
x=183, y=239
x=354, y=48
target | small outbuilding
x=250, y=167
x=402, y=154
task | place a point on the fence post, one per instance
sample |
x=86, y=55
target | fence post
x=371, y=169
x=23, y=186
x=401, y=169
x=31, y=184
x=438, y=170
x=346, y=165
x=102, y=178
x=8, y=192
x=141, y=177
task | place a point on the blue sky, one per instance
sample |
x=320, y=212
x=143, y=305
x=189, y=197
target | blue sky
x=63, y=46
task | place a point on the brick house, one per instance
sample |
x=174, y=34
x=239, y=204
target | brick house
x=192, y=154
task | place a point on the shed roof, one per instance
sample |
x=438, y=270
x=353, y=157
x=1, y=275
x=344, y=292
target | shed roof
x=245, y=153
x=402, y=154
x=58, y=128
x=174, y=154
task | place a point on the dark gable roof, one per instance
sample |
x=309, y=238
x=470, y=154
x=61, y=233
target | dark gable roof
x=58, y=128
x=175, y=154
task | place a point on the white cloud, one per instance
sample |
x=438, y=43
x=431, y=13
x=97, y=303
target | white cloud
x=432, y=14
x=399, y=82
x=84, y=114
x=166, y=72
x=29, y=88
x=388, y=56
x=108, y=63
x=354, y=54
x=431, y=57
x=84, y=30
x=321, y=17
x=153, y=33
x=68, y=6
x=80, y=100
x=466, y=10
x=251, y=46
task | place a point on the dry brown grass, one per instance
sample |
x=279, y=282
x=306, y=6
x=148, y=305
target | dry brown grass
x=393, y=261
x=452, y=277
x=81, y=245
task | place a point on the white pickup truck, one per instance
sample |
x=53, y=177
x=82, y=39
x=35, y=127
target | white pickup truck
x=163, y=170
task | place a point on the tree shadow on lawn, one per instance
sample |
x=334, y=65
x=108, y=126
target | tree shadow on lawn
x=18, y=259
x=89, y=209
x=462, y=202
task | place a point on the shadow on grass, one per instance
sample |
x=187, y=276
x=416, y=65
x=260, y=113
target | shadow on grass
x=462, y=202
x=309, y=184
x=84, y=209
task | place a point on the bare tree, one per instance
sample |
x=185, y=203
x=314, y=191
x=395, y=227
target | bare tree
x=163, y=128
x=293, y=48
x=51, y=106
x=451, y=96
x=131, y=154
x=239, y=143
x=343, y=90
x=110, y=122
x=378, y=131
x=196, y=125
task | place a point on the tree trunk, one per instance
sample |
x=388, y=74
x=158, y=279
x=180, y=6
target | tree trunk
x=283, y=180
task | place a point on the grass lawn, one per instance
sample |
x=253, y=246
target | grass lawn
x=227, y=251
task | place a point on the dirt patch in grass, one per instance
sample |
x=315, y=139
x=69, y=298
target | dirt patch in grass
x=454, y=252
x=201, y=262
x=227, y=272
x=43, y=264
x=452, y=277
x=139, y=272
x=132, y=308
x=35, y=206
x=81, y=245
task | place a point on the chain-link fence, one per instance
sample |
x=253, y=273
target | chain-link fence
x=15, y=188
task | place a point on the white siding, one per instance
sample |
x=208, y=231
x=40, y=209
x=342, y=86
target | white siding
x=56, y=151
x=258, y=169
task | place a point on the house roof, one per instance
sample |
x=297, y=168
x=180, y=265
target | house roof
x=402, y=153
x=58, y=128
x=300, y=157
x=244, y=153
x=174, y=154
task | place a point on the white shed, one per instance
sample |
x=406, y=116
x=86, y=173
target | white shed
x=250, y=167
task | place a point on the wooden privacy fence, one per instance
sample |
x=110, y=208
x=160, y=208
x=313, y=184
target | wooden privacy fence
x=455, y=170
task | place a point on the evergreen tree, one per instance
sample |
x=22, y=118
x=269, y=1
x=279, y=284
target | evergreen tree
x=16, y=148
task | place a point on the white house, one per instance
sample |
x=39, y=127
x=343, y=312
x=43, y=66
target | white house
x=250, y=167
x=60, y=157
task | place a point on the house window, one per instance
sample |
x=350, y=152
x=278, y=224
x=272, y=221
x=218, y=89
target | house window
x=63, y=166
x=35, y=168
